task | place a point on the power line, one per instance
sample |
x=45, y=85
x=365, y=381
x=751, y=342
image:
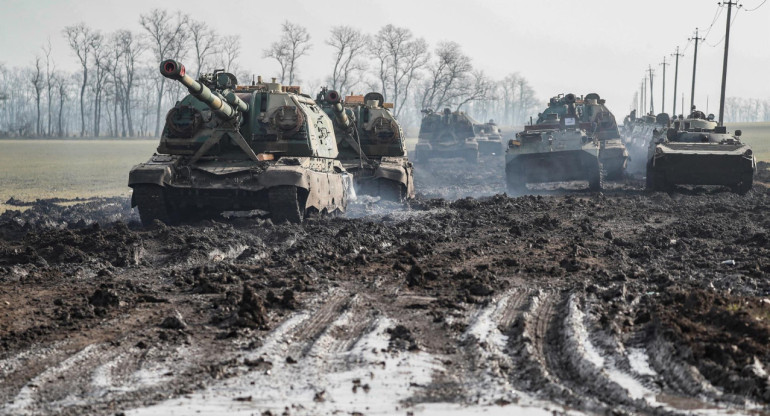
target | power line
x=760, y=5
x=723, y=36
x=714, y=20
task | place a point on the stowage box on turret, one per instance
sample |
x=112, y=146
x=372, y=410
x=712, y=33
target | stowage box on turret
x=371, y=144
x=226, y=147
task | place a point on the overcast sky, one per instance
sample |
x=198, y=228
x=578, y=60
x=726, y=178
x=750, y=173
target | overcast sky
x=601, y=46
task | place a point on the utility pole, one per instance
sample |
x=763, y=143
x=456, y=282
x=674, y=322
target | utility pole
x=676, y=76
x=644, y=91
x=663, y=100
x=652, y=97
x=694, y=65
x=730, y=5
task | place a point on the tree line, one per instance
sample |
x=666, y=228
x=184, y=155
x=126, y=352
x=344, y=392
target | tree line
x=118, y=92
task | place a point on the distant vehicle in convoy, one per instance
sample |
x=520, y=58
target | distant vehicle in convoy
x=456, y=134
x=371, y=144
x=227, y=147
x=638, y=133
x=697, y=151
x=573, y=139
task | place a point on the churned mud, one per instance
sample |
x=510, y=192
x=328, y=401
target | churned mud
x=565, y=301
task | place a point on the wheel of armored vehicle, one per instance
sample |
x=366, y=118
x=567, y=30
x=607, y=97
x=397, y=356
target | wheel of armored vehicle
x=286, y=204
x=390, y=190
x=595, y=176
x=152, y=205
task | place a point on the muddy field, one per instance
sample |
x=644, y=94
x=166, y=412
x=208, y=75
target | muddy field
x=625, y=302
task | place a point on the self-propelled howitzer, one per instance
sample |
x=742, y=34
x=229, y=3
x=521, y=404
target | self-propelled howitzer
x=227, y=147
x=371, y=144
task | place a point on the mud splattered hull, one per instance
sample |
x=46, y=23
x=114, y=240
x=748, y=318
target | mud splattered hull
x=216, y=186
x=386, y=175
x=614, y=158
x=703, y=164
x=552, y=166
x=490, y=146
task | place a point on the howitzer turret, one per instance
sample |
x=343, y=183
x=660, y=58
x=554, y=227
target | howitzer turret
x=229, y=147
x=371, y=143
x=223, y=106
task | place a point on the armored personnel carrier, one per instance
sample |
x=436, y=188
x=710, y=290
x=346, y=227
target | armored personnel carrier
x=697, y=151
x=456, y=134
x=371, y=144
x=226, y=147
x=558, y=147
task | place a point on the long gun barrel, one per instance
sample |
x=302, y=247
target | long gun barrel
x=334, y=98
x=172, y=69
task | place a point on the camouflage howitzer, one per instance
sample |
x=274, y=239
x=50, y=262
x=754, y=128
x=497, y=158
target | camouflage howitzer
x=446, y=135
x=558, y=147
x=239, y=148
x=697, y=151
x=371, y=144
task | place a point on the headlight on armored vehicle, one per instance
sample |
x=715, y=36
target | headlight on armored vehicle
x=748, y=153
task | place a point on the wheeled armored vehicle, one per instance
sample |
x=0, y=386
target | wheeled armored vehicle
x=371, y=144
x=697, y=151
x=227, y=147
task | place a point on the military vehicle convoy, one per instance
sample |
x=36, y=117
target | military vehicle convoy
x=573, y=139
x=456, y=134
x=371, y=144
x=697, y=151
x=227, y=147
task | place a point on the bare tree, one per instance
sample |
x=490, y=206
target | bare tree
x=230, y=51
x=61, y=86
x=349, y=46
x=448, y=74
x=206, y=42
x=132, y=49
x=294, y=44
x=81, y=38
x=479, y=88
x=36, y=78
x=400, y=57
x=166, y=33
x=99, y=54
x=50, y=67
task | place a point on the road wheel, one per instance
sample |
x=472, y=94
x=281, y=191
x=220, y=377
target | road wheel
x=285, y=204
x=595, y=176
x=152, y=205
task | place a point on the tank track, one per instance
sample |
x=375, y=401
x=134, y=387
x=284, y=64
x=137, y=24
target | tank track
x=596, y=176
x=390, y=190
x=285, y=205
x=152, y=205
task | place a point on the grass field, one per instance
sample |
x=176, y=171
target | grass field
x=757, y=135
x=32, y=169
